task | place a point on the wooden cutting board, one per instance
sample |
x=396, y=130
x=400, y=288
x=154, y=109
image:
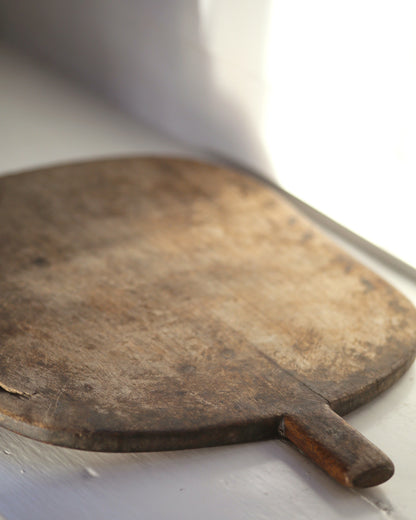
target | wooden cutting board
x=157, y=304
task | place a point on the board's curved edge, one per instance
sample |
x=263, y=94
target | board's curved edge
x=125, y=158
x=346, y=404
x=148, y=441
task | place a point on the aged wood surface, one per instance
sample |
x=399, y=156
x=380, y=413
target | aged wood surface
x=150, y=304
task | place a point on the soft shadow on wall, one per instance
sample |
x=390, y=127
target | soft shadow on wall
x=171, y=64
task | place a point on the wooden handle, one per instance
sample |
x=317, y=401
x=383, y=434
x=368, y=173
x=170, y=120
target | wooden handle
x=336, y=447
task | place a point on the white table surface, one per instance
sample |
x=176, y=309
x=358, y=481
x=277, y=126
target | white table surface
x=43, y=120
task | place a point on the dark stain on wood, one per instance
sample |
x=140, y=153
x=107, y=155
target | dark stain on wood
x=156, y=303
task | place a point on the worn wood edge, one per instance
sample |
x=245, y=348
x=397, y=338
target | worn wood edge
x=148, y=441
x=131, y=158
x=345, y=405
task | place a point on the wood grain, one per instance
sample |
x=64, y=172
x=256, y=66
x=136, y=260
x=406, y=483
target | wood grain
x=150, y=304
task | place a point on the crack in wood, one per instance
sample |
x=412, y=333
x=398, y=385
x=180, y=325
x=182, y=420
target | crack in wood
x=14, y=391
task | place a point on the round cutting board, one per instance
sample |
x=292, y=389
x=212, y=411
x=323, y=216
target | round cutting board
x=157, y=303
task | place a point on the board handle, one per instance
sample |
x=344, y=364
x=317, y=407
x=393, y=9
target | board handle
x=336, y=447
